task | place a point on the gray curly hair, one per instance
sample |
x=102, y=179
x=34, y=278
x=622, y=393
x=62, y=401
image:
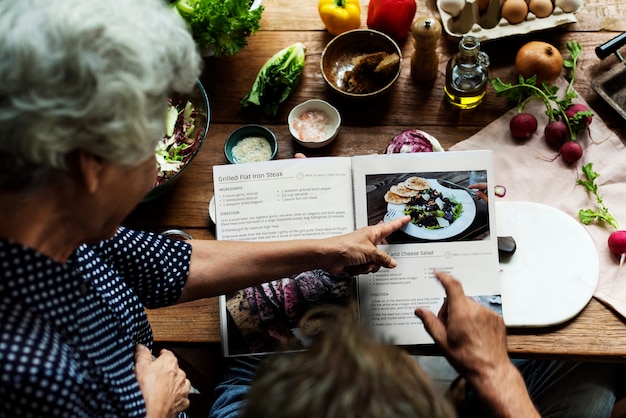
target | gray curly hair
x=345, y=374
x=91, y=75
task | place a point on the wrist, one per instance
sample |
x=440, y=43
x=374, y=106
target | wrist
x=504, y=391
x=155, y=412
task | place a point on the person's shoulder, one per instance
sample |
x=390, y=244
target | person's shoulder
x=124, y=241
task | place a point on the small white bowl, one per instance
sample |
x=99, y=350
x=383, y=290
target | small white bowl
x=316, y=137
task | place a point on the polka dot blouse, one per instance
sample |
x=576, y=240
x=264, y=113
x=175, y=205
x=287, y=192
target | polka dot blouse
x=68, y=331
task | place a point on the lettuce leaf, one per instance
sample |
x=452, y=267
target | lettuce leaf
x=223, y=25
x=277, y=79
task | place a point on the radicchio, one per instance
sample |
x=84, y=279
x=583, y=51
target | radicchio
x=412, y=140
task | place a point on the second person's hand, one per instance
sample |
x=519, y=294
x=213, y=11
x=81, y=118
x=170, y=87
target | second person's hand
x=473, y=339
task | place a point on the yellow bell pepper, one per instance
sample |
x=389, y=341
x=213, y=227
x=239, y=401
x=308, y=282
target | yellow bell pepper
x=340, y=15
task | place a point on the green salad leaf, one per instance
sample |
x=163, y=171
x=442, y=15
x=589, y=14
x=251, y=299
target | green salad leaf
x=277, y=79
x=223, y=25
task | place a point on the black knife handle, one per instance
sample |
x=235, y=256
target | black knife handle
x=611, y=47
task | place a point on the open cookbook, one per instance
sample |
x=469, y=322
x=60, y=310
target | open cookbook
x=452, y=229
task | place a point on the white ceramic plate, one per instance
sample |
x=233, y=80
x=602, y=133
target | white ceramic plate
x=212, y=210
x=458, y=226
x=554, y=271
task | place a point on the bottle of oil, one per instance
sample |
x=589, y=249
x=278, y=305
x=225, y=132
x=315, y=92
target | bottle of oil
x=466, y=74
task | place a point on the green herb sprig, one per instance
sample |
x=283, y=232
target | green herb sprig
x=588, y=216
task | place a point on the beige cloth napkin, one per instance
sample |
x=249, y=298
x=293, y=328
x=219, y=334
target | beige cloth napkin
x=526, y=170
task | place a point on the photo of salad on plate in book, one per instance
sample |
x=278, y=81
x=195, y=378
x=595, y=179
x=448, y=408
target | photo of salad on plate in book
x=441, y=206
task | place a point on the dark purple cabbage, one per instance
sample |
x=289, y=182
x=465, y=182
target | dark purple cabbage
x=411, y=140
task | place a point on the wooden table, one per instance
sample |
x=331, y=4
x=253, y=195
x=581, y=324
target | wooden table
x=596, y=334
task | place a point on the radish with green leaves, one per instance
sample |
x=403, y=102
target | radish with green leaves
x=617, y=239
x=523, y=125
x=579, y=117
x=565, y=118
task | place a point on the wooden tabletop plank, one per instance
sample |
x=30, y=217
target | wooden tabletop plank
x=596, y=334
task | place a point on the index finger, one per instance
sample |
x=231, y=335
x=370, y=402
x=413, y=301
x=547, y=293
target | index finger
x=481, y=186
x=453, y=288
x=386, y=228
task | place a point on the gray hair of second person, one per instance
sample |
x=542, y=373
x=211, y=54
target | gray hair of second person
x=346, y=373
x=87, y=75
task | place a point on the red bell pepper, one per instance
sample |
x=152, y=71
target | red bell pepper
x=392, y=17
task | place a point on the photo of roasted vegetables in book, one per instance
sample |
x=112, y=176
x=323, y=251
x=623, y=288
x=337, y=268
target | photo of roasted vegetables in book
x=266, y=316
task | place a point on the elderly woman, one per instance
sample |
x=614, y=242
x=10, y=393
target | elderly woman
x=82, y=102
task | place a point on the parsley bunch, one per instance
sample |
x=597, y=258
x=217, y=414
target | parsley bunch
x=587, y=216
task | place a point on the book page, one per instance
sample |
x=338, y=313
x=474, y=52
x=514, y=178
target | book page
x=281, y=200
x=284, y=199
x=452, y=230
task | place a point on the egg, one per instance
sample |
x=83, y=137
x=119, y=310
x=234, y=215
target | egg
x=453, y=7
x=541, y=8
x=569, y=6
x=514, y=11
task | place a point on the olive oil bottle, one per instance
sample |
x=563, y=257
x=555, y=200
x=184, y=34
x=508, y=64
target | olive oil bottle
x=467, y=74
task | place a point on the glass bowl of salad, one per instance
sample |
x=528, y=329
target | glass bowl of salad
x=186, y=126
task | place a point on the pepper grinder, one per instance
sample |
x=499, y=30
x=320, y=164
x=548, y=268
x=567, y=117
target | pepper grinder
x=426, y=32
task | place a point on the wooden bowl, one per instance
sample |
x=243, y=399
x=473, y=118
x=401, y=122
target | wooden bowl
x=343, y=68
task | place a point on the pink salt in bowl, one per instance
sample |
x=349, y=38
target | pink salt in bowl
x=314, y=123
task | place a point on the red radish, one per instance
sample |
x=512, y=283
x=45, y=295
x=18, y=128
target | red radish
x=523, y=125
x=579, y=116
x=499, y=191
x=617, y=245
x=571, y=151
x=556, y=133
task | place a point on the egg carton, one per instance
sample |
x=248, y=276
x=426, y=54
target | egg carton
x=488, y=24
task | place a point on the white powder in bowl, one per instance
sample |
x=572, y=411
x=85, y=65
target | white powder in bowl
x=311, y=126
x=252, y=149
